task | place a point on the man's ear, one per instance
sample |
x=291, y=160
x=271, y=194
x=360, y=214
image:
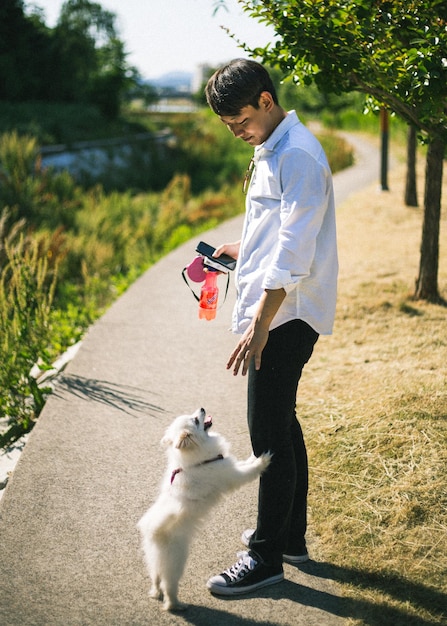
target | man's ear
x=266, y=101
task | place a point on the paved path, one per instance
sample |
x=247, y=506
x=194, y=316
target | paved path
x=69, y=549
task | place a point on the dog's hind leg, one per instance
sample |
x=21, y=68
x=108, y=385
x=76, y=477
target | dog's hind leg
x=171, y=571
x=155, y=590
x=152, y=561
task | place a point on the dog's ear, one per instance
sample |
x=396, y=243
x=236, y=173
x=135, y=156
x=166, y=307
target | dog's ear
x=184, y=440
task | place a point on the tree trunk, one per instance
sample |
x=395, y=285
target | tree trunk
x=384, y=128
x=427, y=282
x=411, y=197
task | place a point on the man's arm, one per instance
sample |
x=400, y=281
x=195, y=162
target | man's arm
x=255, y=337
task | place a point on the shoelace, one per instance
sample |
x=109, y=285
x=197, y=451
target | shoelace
x=240, y=569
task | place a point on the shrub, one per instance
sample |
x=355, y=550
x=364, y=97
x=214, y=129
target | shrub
x=61, y=123
x=338, y=151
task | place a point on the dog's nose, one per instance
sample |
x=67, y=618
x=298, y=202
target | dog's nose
x=202, y=412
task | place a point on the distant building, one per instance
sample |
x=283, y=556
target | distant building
x=201, y=75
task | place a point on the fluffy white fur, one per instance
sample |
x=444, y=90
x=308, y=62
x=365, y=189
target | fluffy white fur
x=195, y=480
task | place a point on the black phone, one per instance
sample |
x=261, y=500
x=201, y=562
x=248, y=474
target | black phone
x=223, y=263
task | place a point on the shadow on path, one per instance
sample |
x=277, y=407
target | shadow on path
x=415, y=596
x=126, y=398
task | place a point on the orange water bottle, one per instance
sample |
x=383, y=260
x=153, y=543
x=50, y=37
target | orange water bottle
x=209, y=295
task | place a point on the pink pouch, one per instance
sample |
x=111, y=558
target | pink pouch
x=195, y=270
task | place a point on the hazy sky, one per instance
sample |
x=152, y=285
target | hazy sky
x=175, y=35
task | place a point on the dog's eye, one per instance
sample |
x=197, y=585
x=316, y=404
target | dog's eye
x=196, y=421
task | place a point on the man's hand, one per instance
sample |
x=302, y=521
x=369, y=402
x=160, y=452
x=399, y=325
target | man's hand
x=232, y=249
x=249, y=347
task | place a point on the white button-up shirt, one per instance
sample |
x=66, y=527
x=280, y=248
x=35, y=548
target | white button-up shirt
x=289, y=236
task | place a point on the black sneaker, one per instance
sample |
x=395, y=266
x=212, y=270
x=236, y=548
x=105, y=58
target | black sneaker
x=247, y=575
x=292, y=559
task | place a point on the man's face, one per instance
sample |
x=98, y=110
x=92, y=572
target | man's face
x=252, y=125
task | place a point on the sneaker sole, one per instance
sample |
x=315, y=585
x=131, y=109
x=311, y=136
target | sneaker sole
x=221, y=590
x=295, y=560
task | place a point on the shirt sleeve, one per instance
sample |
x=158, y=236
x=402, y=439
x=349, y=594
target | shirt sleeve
x=304, y=194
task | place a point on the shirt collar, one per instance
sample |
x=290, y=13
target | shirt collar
x=283, y=127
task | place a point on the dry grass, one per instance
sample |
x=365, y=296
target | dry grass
x=373, y=404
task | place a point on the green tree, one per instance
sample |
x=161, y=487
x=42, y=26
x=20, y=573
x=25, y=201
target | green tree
x=92, y=61
x=82, y=59
x=395, y=52
x=24, y=53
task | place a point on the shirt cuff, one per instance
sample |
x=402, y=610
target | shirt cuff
x=279, y=279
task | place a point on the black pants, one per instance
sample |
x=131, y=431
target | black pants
x=282, y=500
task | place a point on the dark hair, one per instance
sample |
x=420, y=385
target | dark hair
x=237, y=85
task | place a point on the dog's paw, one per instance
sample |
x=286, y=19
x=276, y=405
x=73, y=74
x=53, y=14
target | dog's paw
x=173, y=607
x=264, y=460
x=156, y=593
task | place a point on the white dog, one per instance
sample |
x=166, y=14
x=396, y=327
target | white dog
x=200, y=470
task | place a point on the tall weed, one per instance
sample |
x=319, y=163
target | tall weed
x=42, y=197
x=26, y=293
x=17, y=159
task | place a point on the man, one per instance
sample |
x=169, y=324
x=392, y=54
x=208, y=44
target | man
x=286, y=278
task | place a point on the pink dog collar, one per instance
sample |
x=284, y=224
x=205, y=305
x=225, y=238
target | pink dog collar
x=179, y=469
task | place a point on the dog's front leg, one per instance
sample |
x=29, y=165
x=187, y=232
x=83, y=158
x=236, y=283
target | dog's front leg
x=253, y=466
